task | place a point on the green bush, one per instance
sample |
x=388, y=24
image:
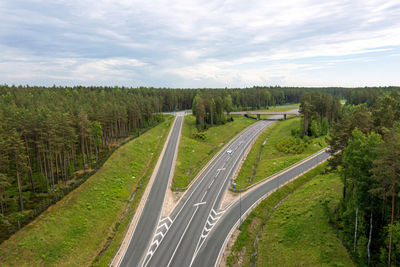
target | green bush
x=291, y=145
x=200, y=135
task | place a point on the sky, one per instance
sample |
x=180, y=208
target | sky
x=196, y=44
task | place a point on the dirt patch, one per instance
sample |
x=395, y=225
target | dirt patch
x=171, y=200
x=228, y=251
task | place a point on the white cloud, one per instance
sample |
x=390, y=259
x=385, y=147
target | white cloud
x=220, y=42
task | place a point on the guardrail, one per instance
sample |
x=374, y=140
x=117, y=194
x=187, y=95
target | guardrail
x=279, y=172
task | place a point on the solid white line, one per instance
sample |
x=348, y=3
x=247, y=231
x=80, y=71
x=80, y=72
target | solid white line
x=200, y=203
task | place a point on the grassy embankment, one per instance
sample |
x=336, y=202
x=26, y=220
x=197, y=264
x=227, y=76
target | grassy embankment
x=299, y=233
x=296, y=233
x=75, y=230
x=215, y=138
x=265, y=159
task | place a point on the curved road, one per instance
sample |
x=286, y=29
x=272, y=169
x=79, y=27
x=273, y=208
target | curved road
x=195, y=232
x=212, y=250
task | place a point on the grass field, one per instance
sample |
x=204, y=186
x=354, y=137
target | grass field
x=296, y=233
x=74, y=231
x=194, y=152
x=265, y=159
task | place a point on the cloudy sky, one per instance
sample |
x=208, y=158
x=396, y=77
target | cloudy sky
x=185, y=43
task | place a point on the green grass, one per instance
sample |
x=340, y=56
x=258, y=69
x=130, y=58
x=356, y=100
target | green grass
x=299, y=234
x=243, y=246
x=76, y=229
x=204, y=150
x=265, y=160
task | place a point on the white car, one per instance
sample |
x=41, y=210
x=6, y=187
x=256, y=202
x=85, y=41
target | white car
x=229, y=151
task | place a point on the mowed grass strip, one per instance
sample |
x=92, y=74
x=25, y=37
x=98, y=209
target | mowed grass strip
x=73, y=231
x=299, y=234
x=271, y=160
x=291, y=226
x=243, y=248
x=194, y=152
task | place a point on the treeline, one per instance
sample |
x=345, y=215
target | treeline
x=365, y=142
x=210, y=111
x=367, y=95
x=51, y=137
x=319, y=111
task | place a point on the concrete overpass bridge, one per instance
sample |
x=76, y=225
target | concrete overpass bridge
x=244, y=113
x=259, y=113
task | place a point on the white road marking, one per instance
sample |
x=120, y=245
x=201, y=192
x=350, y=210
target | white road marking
x=217, y=214
x=166, y=218
x=180, y=240
x=206, y=230
x=162, y=229
x=163, y=225
x=200, y=203
x=211, y=183
x=160, y=233
x=203, y=196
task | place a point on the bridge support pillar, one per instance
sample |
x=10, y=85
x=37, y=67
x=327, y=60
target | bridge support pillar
x=258, y=117
x=284, y=116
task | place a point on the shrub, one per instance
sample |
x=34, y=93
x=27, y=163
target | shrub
x=200, y=135
x=291, y=145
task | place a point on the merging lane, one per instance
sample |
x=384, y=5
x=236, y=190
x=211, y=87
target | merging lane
x=198, y=212
x=212, y=250
x=196, y=231
x=150, y=215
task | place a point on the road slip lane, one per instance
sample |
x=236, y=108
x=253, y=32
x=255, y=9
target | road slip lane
x=209, y=254
x=150, y=215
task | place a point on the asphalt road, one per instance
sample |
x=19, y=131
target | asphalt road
x=212, y=248
x=182, y=235
x=195, y=232
x=152, y=209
